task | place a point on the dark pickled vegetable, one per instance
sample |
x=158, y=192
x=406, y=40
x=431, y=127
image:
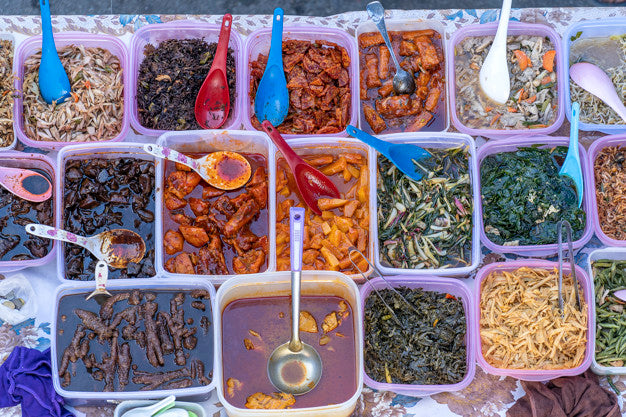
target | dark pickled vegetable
x=103, y=194
x=170, y=77
x=420, y=349
x=524, y=197
x=135, y=340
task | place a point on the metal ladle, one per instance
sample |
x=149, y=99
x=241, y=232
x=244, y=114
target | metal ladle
x=295, y=367
x=403, y=82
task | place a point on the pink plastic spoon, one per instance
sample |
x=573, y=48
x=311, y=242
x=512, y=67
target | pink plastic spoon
x=594, y=80
x=26, y=184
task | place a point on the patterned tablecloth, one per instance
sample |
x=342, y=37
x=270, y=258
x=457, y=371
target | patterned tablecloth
x=487, y=395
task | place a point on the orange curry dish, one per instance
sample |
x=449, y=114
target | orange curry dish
x=420, y=53
x=318, y=81
x=215, y=232
x=344, y=221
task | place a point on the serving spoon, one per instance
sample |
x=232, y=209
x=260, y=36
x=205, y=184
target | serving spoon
x=26, y=184
x=571, y=166
x=54, y=85
x=272, y=97
x=593, y=79
x=295, y=367
x=150, y=410
x=403, y=81
x=116, y=247
x=224, y=170
x=213, y=99
x=312, y=184
x=494, y=74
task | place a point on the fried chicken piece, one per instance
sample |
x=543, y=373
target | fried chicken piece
x=181, y=264
x=307, y=322
x=244, y=214
x=370, y=39
x=243, y=241
x=420, y=121
x=173, y=241
x=386, y=89
x=224, y=206
x=250, y=263
x=172, y=202
x=427, y=52
x=181, y=183
x=199, y=207
x=207, y=224
x=383, y=63
x=195, y=236
x=211, y=258
x=209, y=192
x=433, y=99
x=181, y=218
x=275, y=401
x=398, y=106
x=371, y=67
x=373, y=119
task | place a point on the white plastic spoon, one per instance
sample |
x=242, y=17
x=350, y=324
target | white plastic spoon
x=150, y=410
x=494, y=74
x=593, y=79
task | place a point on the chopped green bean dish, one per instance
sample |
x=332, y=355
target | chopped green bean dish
x=610, y=276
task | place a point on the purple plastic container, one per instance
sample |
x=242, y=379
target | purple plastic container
x=515, y=28
x=33, y=44
x=535, y=374
x=259, y=42
x=14, y=159
x=494, y=147
x=451, y=286
x=592, y=154
x=186, y=29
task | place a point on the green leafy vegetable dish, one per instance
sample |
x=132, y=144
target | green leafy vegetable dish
x=524, y=197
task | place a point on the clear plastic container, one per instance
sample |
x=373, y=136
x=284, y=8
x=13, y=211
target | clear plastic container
x=14, y=159
x=495, y=147
x=615, y=254
x=129, y=405
x=78, y=398
x=258, y=42
x=279, y=284
x=535, y=374
x=592, y=153
x=428, y=283
x=10, y=37
x=185, y=29
x=334, y=145
x=211, y=141
x=33, y=44
x=596, y=28
x=515, y=29
x=88, y=151
x=428, y=140
x=401, y=25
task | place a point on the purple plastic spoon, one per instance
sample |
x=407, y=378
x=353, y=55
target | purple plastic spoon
x=594, y=80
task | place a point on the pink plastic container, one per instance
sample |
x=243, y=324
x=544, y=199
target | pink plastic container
x=15, y=159
x=533, y=374
x=258, y=42
x=33, y=44
x=592, y=154
x=186, y=29
x=451, y=286
x=495, y=147
x=515, y=28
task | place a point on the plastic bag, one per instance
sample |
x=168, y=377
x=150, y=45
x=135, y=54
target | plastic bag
x=18, y=283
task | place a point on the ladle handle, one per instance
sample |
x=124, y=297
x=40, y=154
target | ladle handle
x=376, y=12
x=296, y=237
x=48, y=232
x=171, y=155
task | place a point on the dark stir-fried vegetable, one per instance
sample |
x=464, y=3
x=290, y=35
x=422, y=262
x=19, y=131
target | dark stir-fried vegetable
x=524, y=197
x=610, y=276
x=426, y=223
x=428, y=349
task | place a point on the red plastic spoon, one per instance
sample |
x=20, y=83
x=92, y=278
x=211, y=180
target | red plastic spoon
x=26, y=184
x=213, y=100
x=311, y=183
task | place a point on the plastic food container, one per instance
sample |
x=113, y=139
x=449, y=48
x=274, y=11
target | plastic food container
x=13, y=159
x=186, y=29
x=533, y=374
x=129, y=405
x=78, y=398
x=88, y=151
x=594, y=150
x=31, y=45
x=548, y=142
x=614, y=254
x=427, y=283
x=515, y=29
x=334, y=145
x=10, y=37
x=279, y=284
x=437, y=141
x=401, y=25
x=258, y=42
x=211, y=141
x=596, y=28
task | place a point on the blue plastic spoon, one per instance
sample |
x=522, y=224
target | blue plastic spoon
x=571, y=166
x=401, y=155
x=272, y=97
x=54, y=85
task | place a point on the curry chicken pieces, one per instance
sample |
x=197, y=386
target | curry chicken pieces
x=421, y=54
x=318, y=81
x=215, y=232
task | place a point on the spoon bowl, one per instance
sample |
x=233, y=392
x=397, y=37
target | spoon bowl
x=593, y=79
x=494, y=74
x=150, y=410
x=54, y=85
x=26, y=184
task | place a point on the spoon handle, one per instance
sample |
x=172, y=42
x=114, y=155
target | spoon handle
x=222, y=45
x=47, y=42
x=380, y=145
x=49, y=232
x=102, y=275
x=296, y=232
x=503, y=23
x=276, y=46
x=376, y=12
x=290, y=155
x=171, y=155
